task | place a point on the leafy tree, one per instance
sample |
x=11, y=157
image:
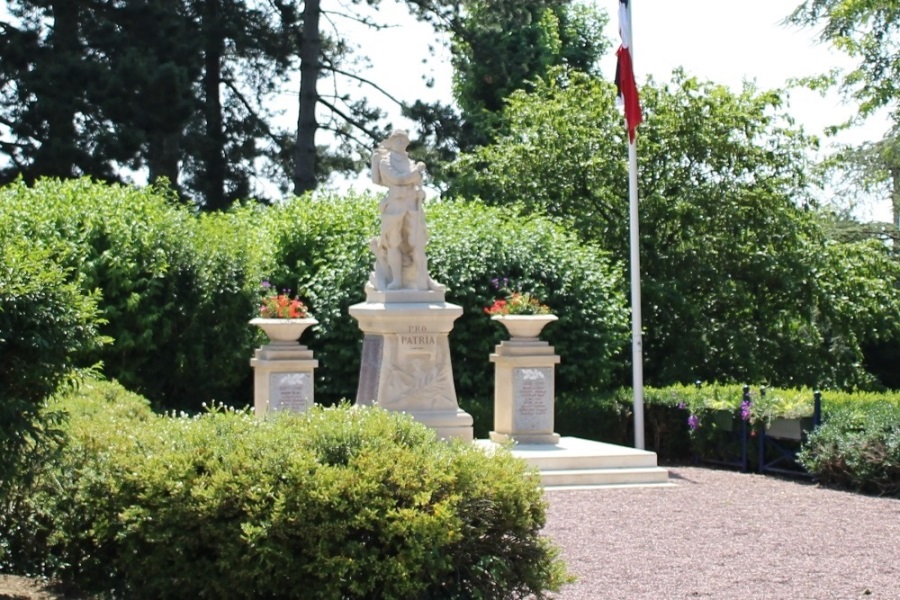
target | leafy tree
x=40, y=107
x=498, y=48
x=731, y=260
x=559, y=156
x=867, y=30
x=86, y=88
x=857, y=308
x=249, y=48
x=868, y=172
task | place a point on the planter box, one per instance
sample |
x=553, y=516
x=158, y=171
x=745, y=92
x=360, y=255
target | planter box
x=724, y=420
x=789, y=429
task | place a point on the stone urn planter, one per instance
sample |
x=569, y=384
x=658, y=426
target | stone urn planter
x=524, y=326
x=283, y=369
x=524, y=382
x=284, y=331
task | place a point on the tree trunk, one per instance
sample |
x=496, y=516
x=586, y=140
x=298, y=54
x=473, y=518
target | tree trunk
x=163, y=153
x=214, y=173
x=304, y=175
x=895, y=194
x=58, y=155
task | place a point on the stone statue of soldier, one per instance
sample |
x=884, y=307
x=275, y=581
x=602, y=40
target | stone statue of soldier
x=400, y=261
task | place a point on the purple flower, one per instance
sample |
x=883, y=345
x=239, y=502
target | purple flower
x=265, y=284
x=693, y=422
x=682, y=405
x=746, y=407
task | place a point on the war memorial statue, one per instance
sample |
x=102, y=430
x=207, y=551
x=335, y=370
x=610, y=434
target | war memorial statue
x=400, y=261
x=405, y=320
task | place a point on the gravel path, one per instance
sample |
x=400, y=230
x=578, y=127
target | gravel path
x=724, y=534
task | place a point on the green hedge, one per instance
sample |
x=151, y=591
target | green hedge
x=321, y=250
x=176, y=289
x=857, y=447
x=336, y=503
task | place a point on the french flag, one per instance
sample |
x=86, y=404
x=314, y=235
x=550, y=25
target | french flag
x=628, y=94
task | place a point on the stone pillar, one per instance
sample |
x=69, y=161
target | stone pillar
x=406, y=358
x=283, y=378
x=524, y=391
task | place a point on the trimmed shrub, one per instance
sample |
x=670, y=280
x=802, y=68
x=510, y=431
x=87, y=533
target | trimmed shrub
x=46, y=523
x=176, y=289
x=336, y=503
x=322, y=246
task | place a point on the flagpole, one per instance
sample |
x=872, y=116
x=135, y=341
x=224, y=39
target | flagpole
x=637, y=352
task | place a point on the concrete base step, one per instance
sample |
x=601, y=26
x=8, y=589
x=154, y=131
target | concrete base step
x=608, y=476
x=575, y=463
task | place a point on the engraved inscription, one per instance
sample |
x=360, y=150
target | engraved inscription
x=416, y=337
x=290, y=391
x=417, y=340
x=533, y=399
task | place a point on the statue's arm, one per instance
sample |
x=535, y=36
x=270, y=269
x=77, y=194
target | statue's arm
x=393, y=176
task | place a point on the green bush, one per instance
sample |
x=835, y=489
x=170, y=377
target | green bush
x=857, y=447
x=322, y=247
x=48, y=327
x=46, y=523
x=176, y=289
x=337, y=503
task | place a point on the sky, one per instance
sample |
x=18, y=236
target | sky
x=724, y=41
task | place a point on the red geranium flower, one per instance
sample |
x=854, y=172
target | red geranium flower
x=282, y=306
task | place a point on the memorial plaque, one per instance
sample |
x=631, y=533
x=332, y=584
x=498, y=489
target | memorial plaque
x=369, y=369
x=533, y=399
x=290, y=391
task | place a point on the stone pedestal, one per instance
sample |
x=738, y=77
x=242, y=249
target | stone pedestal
x=283, y=378
x=524, y=391
x=406, y=358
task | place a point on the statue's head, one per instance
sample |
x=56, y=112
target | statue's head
x=398, y=140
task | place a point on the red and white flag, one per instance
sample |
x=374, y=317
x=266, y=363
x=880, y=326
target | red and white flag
x=625, y=83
